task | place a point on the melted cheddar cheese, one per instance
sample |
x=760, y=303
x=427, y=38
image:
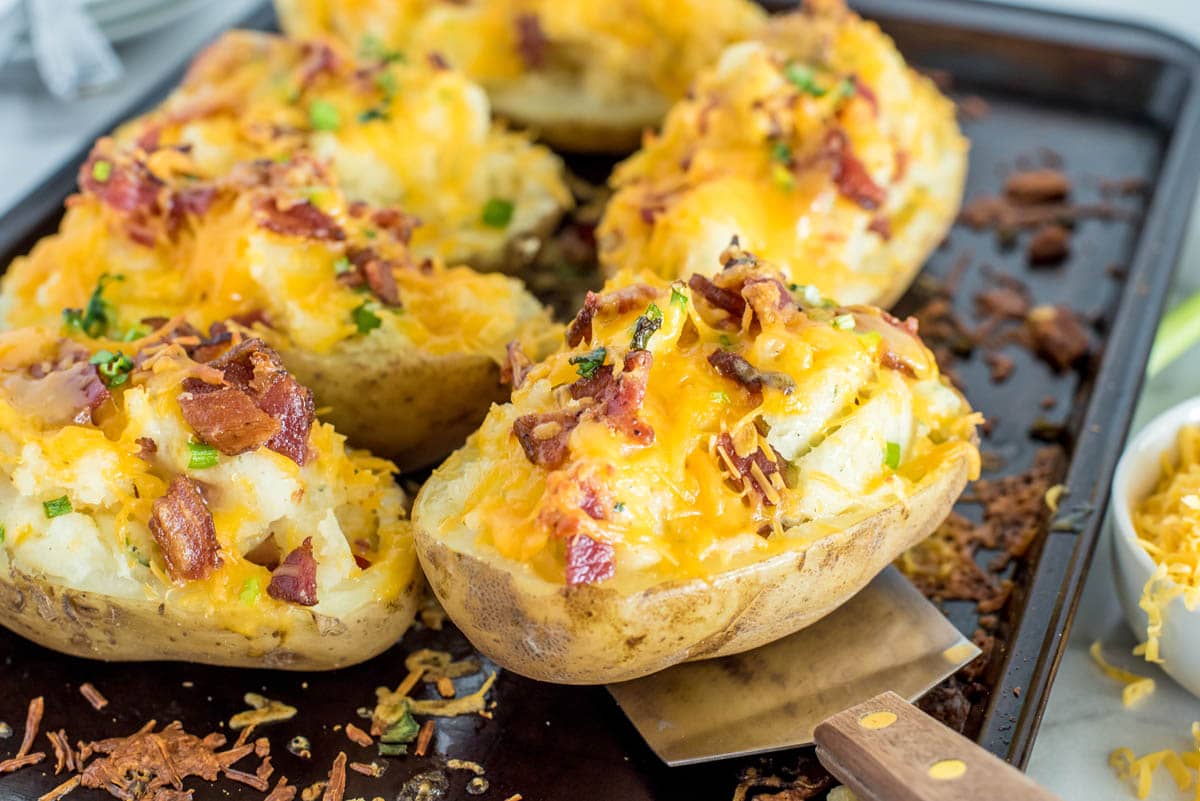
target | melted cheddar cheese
x=226, y=261
x=815, y=144
x=396, y=132
x=620, y=52
x=101, y=484
x=847, y=436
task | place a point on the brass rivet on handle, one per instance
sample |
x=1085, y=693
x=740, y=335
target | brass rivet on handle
x=947, y=769
x=877, y=720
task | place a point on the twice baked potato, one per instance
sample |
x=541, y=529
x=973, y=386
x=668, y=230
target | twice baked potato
x=173, y=498
x=816, y=145
x=403, y=355
x=707, y=467
x=587, y=75
x=395, y=132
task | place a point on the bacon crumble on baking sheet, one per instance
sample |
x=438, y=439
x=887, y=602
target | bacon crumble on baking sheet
x=93, y=696
x=183, y=528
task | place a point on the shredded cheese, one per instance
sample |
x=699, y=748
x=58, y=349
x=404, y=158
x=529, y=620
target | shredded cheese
x=1167, y=524
x=1136, y=687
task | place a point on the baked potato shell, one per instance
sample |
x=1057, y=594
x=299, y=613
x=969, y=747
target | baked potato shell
x=97, y=626
x=626, y=628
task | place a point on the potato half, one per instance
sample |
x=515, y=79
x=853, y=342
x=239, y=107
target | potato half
x=395, y=132
x=816, y=145
x=157, y=507
x=587, y=75
x=707, y=467
x=403, y=355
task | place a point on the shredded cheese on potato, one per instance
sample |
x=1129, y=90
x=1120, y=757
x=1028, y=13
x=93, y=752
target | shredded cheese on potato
x=1167, y=524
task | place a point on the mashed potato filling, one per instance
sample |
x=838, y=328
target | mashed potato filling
x=756, y=431
x=76, y=499
x=815, y=144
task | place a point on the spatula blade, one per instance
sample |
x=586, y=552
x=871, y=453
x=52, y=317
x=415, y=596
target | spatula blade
x=887, y=637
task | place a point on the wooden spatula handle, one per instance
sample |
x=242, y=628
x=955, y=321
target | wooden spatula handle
x=888, y=750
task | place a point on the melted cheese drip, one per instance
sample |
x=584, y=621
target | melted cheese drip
x=402, y=134
x=742, y=155
x=104, y=544
x=674, y=510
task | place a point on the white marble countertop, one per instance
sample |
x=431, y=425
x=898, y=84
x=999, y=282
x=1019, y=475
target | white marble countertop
x=1084, y=720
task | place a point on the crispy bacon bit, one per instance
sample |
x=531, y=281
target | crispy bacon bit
x=893, y=361
x=618, y=400
x=396, y=223
x=1051, y=244
x=882, y=226
x=128, y=187
x=437, y=60
x=93, y=696
x=544, y=436
x=64, y=754
x=1058, y=336
x=531, y=40
x=619, y=302
x=295, y=580
x=335, y=790
x=183, y=528
x=249, y=779
x=1006, y=300
x=851, y=175
x=301, y=219
x=282, y=792
x=718, y=297
x=319, y=58
x=370, y=769
x=910, y=324
x=734, y=367
x=33, y=721
x=226, y=417
x=1037, y=186
x=291, y=404
x=358, y=736
x=756, y=470
x=424, y=738
x=589, y=561
x=189, y=201
x=516, y=366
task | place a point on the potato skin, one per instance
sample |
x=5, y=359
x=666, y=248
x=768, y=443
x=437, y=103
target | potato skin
x=407, y=405
x=575, y=122
x=595, y=634
x=96, y=626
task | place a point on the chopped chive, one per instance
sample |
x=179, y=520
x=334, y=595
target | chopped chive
x=720, y=397
x=135, y=332
x=1, y=533
x=803, y=78
x=589, y=363
x=102, y=170
x=201, y=456
x=782, y=153
x=725, y=341
x=872, y=339
x=57, y=507
x=94, y=318
x=249, y=592
x=365, y=320
x=809, y=294
x=844, y=322
x=373, y=113
x=646, y=325
x=342, y=265
x=403, y=730
x=386, y=82
x=618, y=507
x=783, y=177
x=497, y=213
x=324, y=116
x=892, y=456
x=114, y=368
x=678, y=298
x=387, y=749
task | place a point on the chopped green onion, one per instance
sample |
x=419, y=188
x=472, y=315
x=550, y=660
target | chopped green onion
x=386, y=82
x=324, y=116
x=872, y=339
x=846, y=88
x=720, y=397
x=725, y=341
x=386, y=749
x=249, y=592
x=802, y=78
x=844, y=322
x=403, y=730
x=618, y=507
x=135, y=332
x=782, y=153
x=373, y=113
x=136, y=554
x=589, y=363
x=372, y=48
x=114, y=368
x=646, y=325
x=678, y=298
x=808, y=293
x=497, y=213
x=102, y=170
x=365, y=319
x=201, y=456
x=1, y=533
x=783, y=177
x=892, y=457
x=342, y=266
x=94, y=318
x=57, y=507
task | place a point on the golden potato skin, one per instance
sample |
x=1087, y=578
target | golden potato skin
x=408, y=405
x=595, y=634
x=96, y=626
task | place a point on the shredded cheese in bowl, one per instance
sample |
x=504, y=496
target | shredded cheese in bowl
x=1167, y=525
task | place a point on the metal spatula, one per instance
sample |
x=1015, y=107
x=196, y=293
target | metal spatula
x=886, y=639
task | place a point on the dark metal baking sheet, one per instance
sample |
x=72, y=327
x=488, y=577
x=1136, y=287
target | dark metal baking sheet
x=1114, y=102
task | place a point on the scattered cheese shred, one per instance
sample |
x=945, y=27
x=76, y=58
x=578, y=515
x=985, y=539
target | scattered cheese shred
x=1140, y=770
x=1136, y=687
x=1167, y=524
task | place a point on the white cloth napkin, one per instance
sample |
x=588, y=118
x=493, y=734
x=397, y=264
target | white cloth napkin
x=73, y=56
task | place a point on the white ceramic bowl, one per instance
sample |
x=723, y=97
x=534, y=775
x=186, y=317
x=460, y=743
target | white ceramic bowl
x=1137, y=474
